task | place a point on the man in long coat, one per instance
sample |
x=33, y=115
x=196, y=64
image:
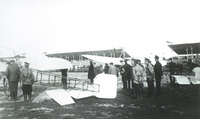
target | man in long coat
x=27, y=79
x=64, y=77
x=13, y=75
x=113, y=70
x=91, y=74
x=127, y=73
x=158, y=74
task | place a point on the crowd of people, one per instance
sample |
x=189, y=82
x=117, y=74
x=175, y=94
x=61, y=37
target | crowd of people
x=133, y=75
x=15, y=73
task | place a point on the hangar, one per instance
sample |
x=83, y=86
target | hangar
x=81, y=63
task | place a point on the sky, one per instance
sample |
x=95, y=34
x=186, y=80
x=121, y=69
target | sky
x=141, y=27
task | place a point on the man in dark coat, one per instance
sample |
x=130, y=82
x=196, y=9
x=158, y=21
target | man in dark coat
x=13, y=75
x=64, y=78
x=106, y=68
x=158, y=74
x=128, y=71
x=91, y=74
x=149, y=75
x=171, y=71
x=122, y=72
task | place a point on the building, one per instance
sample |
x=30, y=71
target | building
x=81, y=63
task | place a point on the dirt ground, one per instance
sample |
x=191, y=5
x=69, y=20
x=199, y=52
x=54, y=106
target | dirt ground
x=176, y=102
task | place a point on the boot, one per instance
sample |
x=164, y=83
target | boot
x=29, y=97
x=15, y=96
x=25, y=98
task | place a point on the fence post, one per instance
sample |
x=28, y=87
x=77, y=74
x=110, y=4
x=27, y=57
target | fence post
x=37, y=76
x=41, y=78
x=49, y=78
x=54, y=80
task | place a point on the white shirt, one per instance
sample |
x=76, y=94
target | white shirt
x=196, y=70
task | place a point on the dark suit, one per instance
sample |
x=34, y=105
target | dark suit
x=13, y=75
x=64, y=76
x=172, y=72
x=127, y=74
x=122, y=72
x=91, y=73
x=158, y=73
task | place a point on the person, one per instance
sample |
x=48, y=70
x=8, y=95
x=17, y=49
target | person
x=101, y=70
x=122, y=72
x=127, y=73
x=64, y=78
x=106, y=68
x=98, y=69
x=138, y=73
x=171, y=71
x=91, y=74
x=13, y=75
x=133, y=64
x=113, y=70
x=149, y=75
x=196, y=70
x=158, y=74
x=27, y=79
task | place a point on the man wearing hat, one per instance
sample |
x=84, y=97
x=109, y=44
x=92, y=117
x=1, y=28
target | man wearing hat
x=158, y=74
x=171, y=71
x=64, y=77
x=138, y=73
x=91, y=74
x=149, y=75
x=27, y=79
x=127, y=73
x=122, y=72
x=13, y=76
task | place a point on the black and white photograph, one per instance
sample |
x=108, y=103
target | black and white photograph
x=99, y=59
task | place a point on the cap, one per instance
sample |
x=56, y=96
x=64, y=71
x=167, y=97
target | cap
x=126, y=60
x=146, y=59
x=26, y=62
x=156, y=56
x=12, y=60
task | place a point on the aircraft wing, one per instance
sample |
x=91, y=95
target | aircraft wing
x=3, y=66
x=46, y=64
x=103, y=59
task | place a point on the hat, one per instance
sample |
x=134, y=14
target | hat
x=12, y=60
x=170, y=59
x=156, y=56
x=126, y=60
x=146, y=59
x=26, y=62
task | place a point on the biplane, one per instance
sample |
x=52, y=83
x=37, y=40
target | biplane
x=40, y=64
x=188, y=59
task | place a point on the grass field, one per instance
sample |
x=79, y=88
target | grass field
x=176, y=102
